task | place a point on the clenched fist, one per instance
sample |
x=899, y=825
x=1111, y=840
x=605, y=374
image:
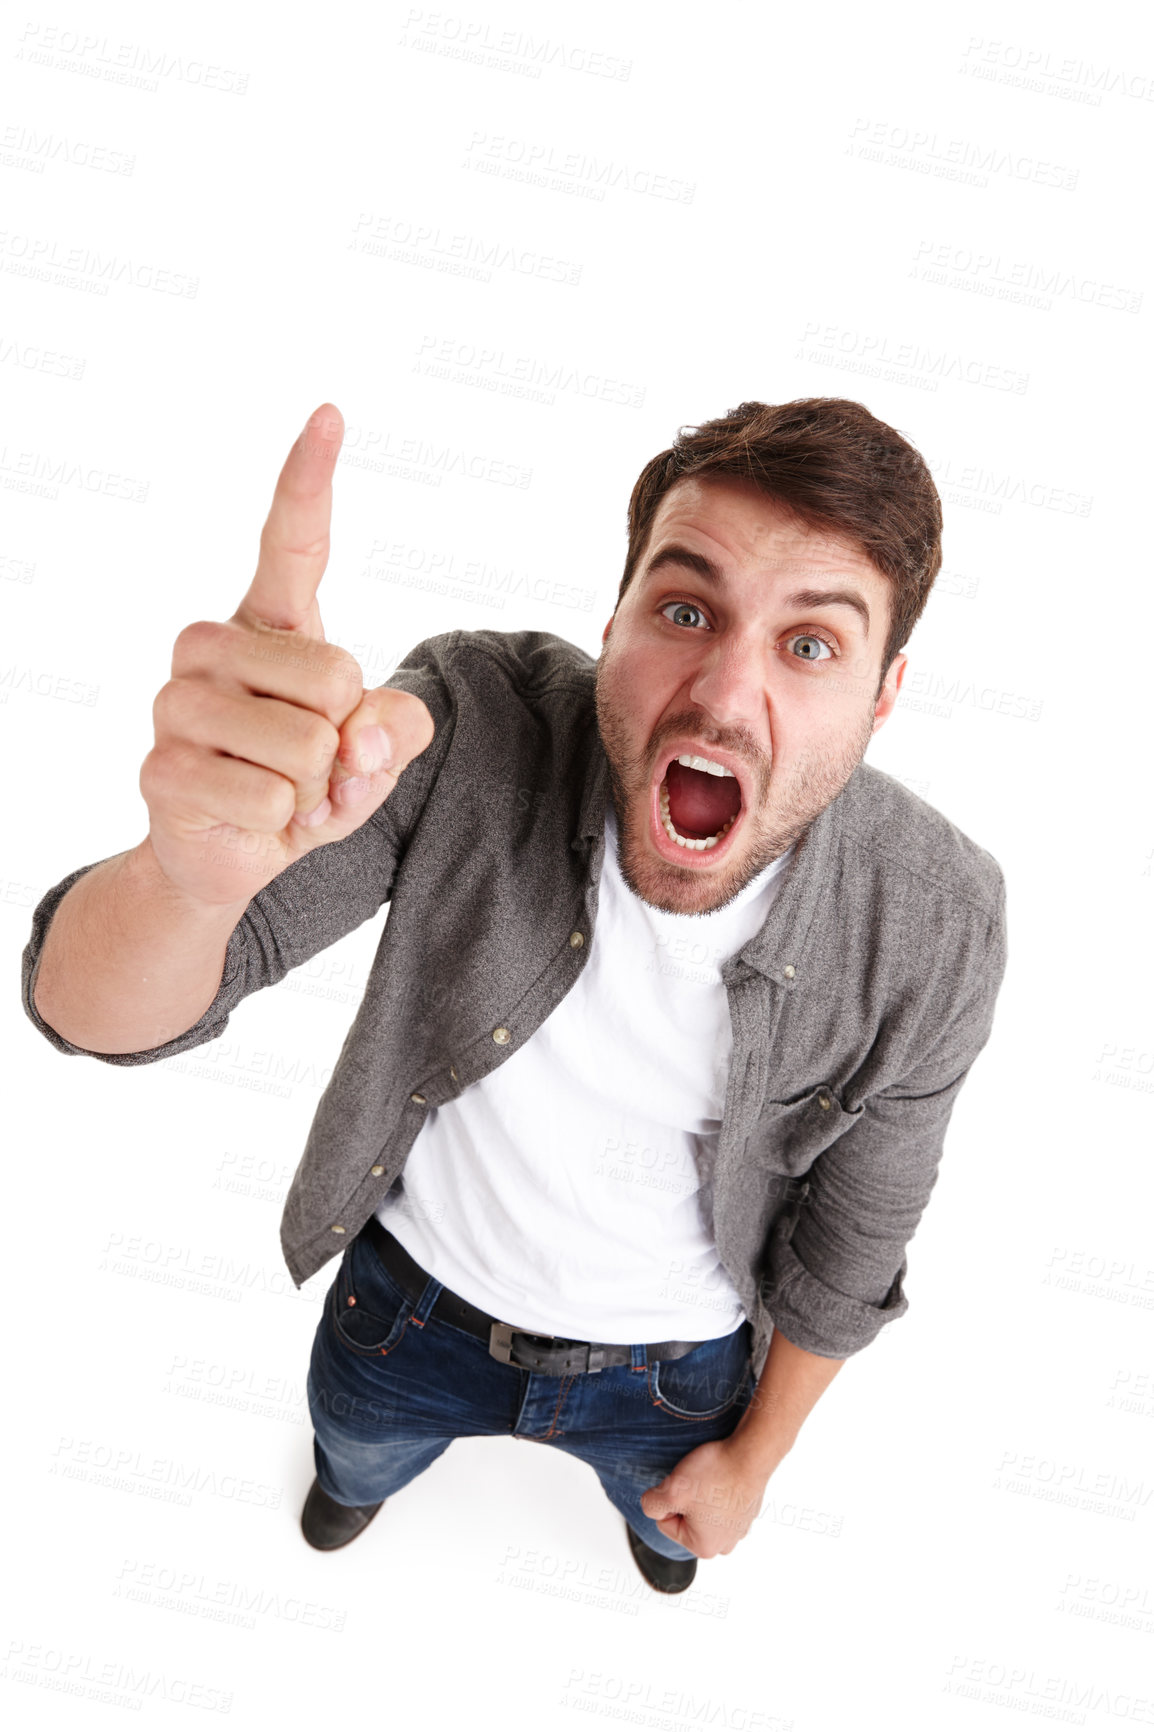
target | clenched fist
x=267, y=744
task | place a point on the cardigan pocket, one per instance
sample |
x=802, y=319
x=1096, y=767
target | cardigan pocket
x=790, y=1134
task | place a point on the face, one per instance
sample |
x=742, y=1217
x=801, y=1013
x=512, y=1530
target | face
x=755, y=645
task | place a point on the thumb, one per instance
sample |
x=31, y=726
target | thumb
x=382, y=736
x=656, y=1502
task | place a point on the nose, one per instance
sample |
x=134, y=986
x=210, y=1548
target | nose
x=730, y=681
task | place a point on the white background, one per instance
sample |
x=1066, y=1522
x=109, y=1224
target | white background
x=936, y=213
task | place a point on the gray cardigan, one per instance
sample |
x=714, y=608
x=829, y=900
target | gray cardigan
x=857, y=1009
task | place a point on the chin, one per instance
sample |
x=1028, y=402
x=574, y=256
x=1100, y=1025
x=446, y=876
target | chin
x=682, y=889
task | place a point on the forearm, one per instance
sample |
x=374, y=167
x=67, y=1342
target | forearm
x=128, y=961
x=788, y=1389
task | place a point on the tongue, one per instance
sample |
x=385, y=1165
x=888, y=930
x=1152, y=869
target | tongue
x=699, y=803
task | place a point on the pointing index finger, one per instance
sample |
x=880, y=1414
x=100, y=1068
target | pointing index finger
x=294, y=543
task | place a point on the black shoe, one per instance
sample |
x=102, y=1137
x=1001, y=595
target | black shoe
x=667, y=1575
x=327, y=1524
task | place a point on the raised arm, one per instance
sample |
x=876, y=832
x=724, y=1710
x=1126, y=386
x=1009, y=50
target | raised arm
x=267, y=749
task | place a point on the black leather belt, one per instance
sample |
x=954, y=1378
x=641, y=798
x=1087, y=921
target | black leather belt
x=505, y=1342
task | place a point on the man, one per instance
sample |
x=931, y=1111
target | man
x=649, y=1085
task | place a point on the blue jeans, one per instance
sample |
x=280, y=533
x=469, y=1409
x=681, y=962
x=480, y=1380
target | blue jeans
x=389, y=1389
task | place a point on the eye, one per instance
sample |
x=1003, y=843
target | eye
x=811, y=638
x=680, y=609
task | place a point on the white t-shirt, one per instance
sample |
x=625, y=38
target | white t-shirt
x=569, y=1191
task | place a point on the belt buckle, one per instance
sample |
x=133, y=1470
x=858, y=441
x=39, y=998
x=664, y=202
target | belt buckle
x=501, y=1347
x=501, y=1342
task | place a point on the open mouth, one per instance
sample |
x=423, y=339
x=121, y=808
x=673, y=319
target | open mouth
x=699, y=802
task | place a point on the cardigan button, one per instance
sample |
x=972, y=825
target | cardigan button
x=501, y=1036
x=419, y=1099
x=789, y=971
x=576, y=940
x=338, y=1229
x=376, y=1171
x=824, y=1102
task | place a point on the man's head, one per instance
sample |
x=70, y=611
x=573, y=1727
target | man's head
x=778, y=560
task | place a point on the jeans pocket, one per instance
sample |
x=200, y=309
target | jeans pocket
x=370, y=1312
x=705, y=1382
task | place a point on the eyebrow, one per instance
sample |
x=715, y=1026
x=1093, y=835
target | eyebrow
x=711, y=572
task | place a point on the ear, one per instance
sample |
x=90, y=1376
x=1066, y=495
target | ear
x=608, y=623
x=889, y=691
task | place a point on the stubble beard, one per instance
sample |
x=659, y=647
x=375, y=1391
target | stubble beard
x=783, y=812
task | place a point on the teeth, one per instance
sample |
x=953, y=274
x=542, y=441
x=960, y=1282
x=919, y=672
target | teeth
x=693, y=762
x=698, y=843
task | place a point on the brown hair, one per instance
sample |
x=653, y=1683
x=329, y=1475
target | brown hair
x=834, y=468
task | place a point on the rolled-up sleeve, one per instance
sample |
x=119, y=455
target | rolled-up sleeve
x=313, y=903
x=836, y=1259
